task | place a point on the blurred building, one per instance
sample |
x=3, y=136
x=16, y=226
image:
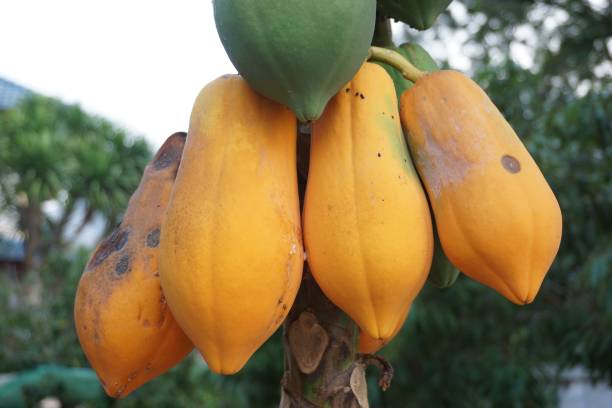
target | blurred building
x=11, y=93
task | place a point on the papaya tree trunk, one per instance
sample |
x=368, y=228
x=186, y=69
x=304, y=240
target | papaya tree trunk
x=323, y=367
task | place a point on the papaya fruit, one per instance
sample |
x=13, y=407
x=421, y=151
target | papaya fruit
x=419, y=14
x=122, y=320
x=497, y=218
x=298, y=53
x=231, y=243
x=369, y=345
x=367, y=226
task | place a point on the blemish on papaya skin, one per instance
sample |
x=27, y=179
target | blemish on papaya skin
x=115, y=242
x=170, y=152
x=356, y=93
x=123, y=265
x=511, y=164
x=153, y=238
x=347, y=90
x=379, y=155
x=362, y=96
x=165, y=159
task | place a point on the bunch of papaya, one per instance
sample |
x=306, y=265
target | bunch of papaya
x=413, y=174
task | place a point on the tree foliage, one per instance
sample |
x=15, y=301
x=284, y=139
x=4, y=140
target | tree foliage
x=51, y=152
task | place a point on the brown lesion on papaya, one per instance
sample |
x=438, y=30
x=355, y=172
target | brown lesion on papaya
x=170, y=153
x=153, y=238
x=123, y=265
x=511, y=164
x=113, y=243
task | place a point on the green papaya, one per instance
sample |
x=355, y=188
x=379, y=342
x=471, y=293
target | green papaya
x=418, y=57
x=442, y=273
x=298, y=53
x=419, y=14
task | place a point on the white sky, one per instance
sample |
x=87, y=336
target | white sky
x=138, y=63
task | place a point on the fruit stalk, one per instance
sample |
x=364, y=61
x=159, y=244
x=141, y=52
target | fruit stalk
x=395, y=59
x=382, y=31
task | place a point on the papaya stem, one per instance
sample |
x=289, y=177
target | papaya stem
x=382, y=31
x=396, y=60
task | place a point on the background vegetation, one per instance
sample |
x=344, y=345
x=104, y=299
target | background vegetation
x=463, y=346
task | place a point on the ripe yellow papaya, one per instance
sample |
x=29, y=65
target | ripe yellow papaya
x=369, y=345
x=231, y=243
x=367, y=227
x=122, y=320
x=498, y=220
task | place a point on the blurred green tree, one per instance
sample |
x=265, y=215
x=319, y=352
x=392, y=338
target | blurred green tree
x=55, y=153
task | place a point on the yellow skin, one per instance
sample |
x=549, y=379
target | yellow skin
x=367, y=227
x=369, y=345
x=497, y=218
x=231, y=243
x=122, y=320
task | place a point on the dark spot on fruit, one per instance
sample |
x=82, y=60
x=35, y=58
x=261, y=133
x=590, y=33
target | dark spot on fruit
x=361, y=96
x=356, y=93
x=284, y=306
x=379, y=155
x=115, y=242
x=123, y=265
x=511, y=164
x=156, y=273
x=153, y=238
x=169, y=153
x=347, y=90
x=392, y=117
